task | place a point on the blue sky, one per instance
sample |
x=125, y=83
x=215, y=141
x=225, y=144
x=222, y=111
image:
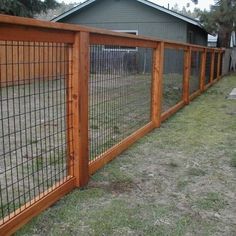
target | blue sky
x=203, y=4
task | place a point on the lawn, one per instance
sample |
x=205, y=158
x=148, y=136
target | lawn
x=178, y=180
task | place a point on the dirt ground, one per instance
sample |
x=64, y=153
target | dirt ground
x=178, y=180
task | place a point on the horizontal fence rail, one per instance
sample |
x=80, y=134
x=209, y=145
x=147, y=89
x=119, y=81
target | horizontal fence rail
x=72, y=98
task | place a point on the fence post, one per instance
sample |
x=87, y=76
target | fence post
x=212, y=66
x=79, y=96
x=157, y=82
x=218, y=65
x=187, y=69
x=203, y=70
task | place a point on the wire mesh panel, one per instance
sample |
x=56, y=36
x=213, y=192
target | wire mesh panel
x=120, y=94
x=215, y=65
x=33, y=133
x=208, y=68
x=194, y=82
x=172, y=78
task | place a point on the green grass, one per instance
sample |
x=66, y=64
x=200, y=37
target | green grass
x=233, y=160
x=212, y=201
x=177, y=180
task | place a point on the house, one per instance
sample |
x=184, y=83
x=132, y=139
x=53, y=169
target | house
x=136, y=17
x=212, y=40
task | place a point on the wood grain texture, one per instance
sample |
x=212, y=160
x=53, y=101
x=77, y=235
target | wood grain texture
x=187, y=66
x=28, y=33
x=80, y=68
x=83, y=64
x=203, y=70
x=120, y=41
x=212, y=66
x=157, y=83
x=194, y=95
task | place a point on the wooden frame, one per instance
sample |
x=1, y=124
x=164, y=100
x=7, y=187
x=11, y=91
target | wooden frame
x=212, y=66
x=113, y=152
x=157, y=80
x=187, y=66
x=81, y=74
x=203, y=70
x=165, y=115
x=80, y=38
x=120, y=41
x=35, y=206
x=219, y=65
x=27, y=33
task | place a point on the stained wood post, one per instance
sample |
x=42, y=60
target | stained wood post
x=79, y=86
x=187, y=70
x=218, y=65
x=212, y=66
x=157, y=83
x=69, y=115
x=203, y=70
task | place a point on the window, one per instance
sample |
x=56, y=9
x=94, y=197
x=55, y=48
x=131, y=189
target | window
x=190, y=37
x=122, y=48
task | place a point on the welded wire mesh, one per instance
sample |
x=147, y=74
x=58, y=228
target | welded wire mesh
x=120, y=94
x=194, y=81
x=215, y=65
x=172, y=78
x=208, y=68
x=33, y=133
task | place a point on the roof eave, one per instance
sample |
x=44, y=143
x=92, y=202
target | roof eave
x=148, y=3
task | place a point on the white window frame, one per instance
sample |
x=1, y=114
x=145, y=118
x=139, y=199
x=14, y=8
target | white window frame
x=131, y=49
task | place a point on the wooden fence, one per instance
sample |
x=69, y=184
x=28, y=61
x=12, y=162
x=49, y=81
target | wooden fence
x=32, y=51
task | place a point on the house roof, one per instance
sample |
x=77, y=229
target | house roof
x=148, y=3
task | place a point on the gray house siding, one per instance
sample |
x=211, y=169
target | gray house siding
x=130, y=15
x=133, y=15
x=199, y=36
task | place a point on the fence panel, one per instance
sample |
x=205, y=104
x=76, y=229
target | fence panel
x=33, y=115
x=120, y=94
x=208, y=68
x=172, y=78
x=195, y=72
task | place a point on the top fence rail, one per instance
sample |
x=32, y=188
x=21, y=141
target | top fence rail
x=45, y=29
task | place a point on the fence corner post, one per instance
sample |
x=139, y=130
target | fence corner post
x=157, y=83
x=79, y=96
x=203, y=70
x=187, y=70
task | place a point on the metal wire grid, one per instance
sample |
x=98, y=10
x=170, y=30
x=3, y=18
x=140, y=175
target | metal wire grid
x=172, y=78
x=120, y=95
x=215, y=65
x=208, y=68
x=194, y=82
x=33, y=133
